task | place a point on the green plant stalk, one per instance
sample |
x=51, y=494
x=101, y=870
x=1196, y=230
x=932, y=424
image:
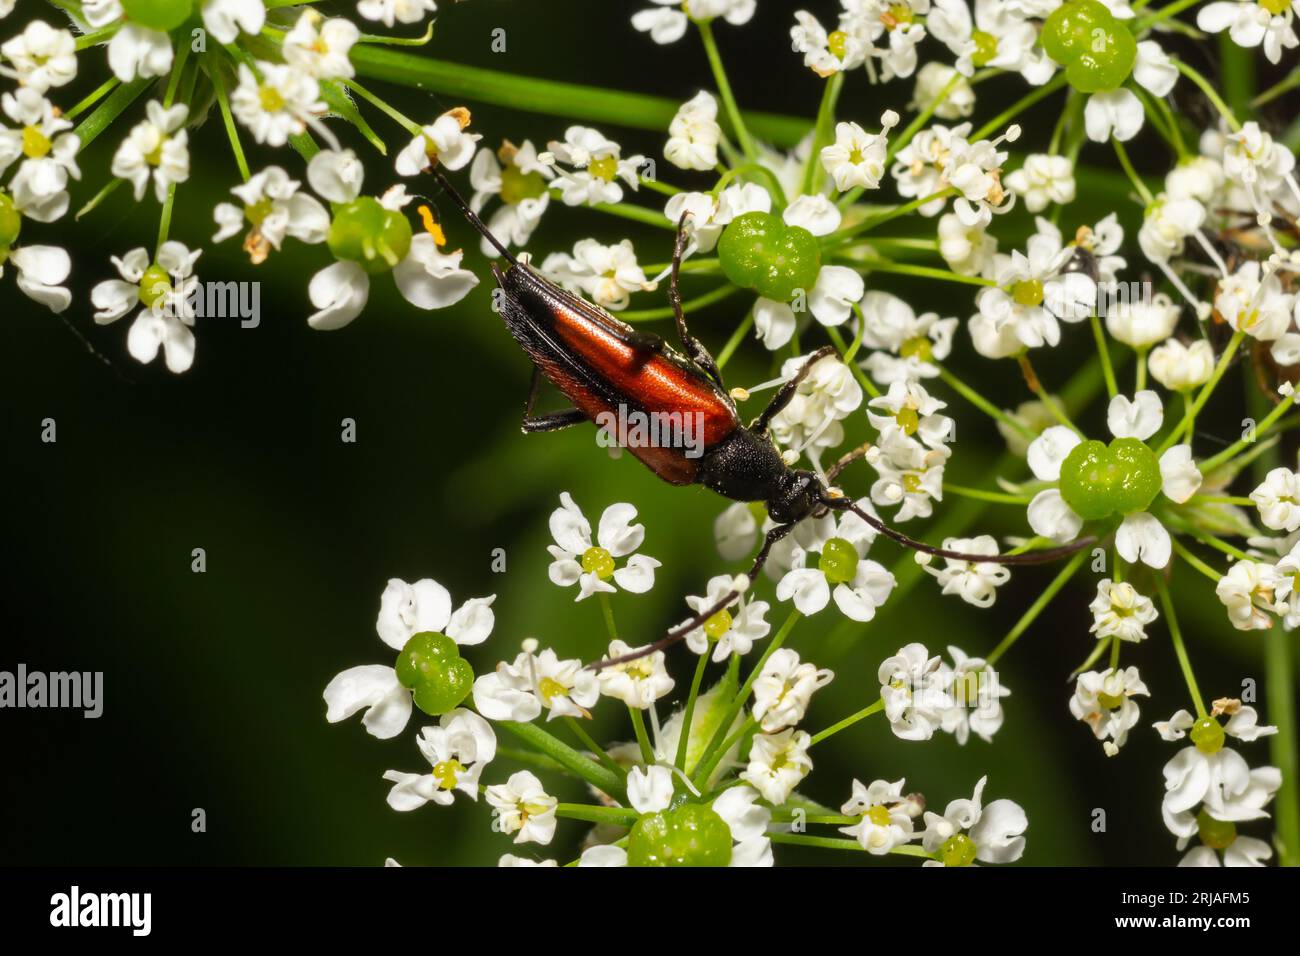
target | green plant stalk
x=601, y=754
x=593, y=814
x=734, y=115
x=1015, y=109
x=1038, y=606
x=532, y=95
x=1279, y=695
x=688, y=715
x=642, y=738
x=1180, y=649
x=983, y=404
x=848, y=721
x=602, y=778
x=109, y=110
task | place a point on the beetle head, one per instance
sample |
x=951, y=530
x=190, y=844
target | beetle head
x=797, y=495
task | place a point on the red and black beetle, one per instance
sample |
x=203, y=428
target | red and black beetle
x=600, y=363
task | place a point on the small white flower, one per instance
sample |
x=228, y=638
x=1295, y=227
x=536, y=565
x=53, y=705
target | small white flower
x=445, y=141
x=858, y=586
x=1043, y=179
x=914, y=688
x=931, y=80
x=271, y=202
x=165, y=291
x=995, y=831
x=1115, y=113
x=778, y=763
x=458, y=750
x=977, y=691
x=735, y=628
x=321, y=46
x=857, y=158
x=1104, y=701
x=42, y=270
x=974, y=582
x=520, y=690
x=592, y=566
x=608, y=275
x=278, y=105
x=784, y=689
x=157, y=148
x=1179, y=367
x=1252, y=24
x=522, y=806
x=1246, y=590
x=597, y=167
x=523, y=199
x=1278, y=500
x=404, y=611
x=46, y=153
x=40, y=57
x=226, y=19
x=694, y=134
x=389, y=12
x=907, y=345
x=1120, y=611
x=667, y=22
x=885, y=822
x=637, y=683
x=967, y=248
x=1142, y=323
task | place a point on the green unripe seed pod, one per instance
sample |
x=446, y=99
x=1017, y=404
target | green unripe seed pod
x=690, y=835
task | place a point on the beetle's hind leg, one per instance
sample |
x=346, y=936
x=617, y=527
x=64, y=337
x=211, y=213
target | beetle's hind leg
x=552, y=421
x=693, y=347
x=787, y=391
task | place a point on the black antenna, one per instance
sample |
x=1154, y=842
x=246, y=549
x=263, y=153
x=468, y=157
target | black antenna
x=471, y=215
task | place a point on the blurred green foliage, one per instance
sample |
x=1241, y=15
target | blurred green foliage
x=213, y=681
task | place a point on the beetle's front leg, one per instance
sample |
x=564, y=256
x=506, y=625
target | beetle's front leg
x=694, y=349
x=787, y=391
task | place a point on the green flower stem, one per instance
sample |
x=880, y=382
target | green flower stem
x=688, y=715
x=594, y=814
x=1208, y=389
x=109, y=110
x=867, y=384
x=834, y=843
x=109, y=188
x=602, y=755
x=1164, y=13
x=1176, y=637
x=1261, y=430
x=918, y=122
x=1134, y=178
x=530, y=758
x=607, y=612
x=848, y=721
x=706, y=768
x=642, y=737
x=841, y=236
x=1097, y=651
x=753, y=169
x=1210, y=92
x=724, y=91
x=94, y=37
x=655, y=185
x=1225, y=500
x=834, y=820
x=1175, y=132
x=925, y=272
x=453, y=81
x=421, y=40
x=997, y=497
x=1279, y=694
x=690, y=305
x=92, y=98
x=1103, y=353
x=1018, y=107
x=1218, y=544
x=174, y=78
x=983, y=404
x=1285, y=85
x=1036, y=386
x=396, y=115
x=228, y=119
x=812, y=172
x=689, y=266
x=1194, y=561
x=737, y=337
x=636, y=213
x=1141, y=376
x=742, y=695
x=1038, y=606
x=165, y=220
x=577, y=763
x=1236, y=74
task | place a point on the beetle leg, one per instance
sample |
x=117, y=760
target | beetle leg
x=693, y=347
x=681, y=630
x=552, y=422
x=782, y=398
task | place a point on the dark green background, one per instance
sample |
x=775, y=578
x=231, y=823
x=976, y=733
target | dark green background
x=213, y=681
